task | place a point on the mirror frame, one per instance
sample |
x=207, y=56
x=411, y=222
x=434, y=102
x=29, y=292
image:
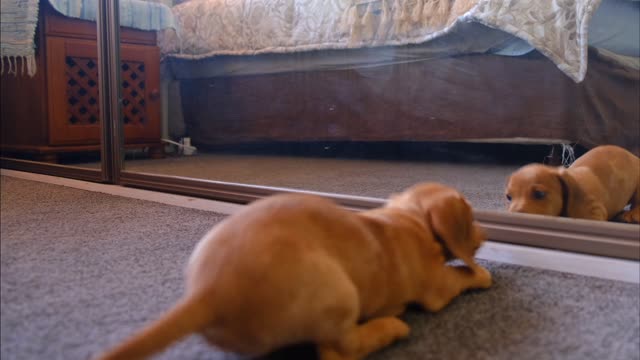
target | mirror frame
x=581, y=236
x=66, y=171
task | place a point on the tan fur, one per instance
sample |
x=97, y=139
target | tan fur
x=597, y=186
x=298, y=268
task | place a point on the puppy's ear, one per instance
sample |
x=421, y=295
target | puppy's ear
x=572, y=195
x=394, y=197
x=403, y=201
x=451, y=222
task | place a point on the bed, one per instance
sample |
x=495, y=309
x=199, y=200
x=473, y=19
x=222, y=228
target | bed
x=415, y=70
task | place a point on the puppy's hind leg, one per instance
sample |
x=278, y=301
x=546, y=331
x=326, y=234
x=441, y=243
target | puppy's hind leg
x=364, y=339
x=337, y=331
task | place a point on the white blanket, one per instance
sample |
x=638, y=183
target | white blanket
x=557, y=28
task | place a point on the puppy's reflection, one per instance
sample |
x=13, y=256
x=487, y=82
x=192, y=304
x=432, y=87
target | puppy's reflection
x=597, y=186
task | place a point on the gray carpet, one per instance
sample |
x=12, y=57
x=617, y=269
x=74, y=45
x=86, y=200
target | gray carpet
x=482, y=183
x=82, y=270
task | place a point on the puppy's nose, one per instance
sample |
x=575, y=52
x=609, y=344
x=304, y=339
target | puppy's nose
x=515, y=207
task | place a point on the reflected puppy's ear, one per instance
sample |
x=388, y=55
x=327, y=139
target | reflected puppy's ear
x=451, y=221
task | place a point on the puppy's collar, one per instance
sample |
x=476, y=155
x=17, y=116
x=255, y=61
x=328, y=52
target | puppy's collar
x=565, y=197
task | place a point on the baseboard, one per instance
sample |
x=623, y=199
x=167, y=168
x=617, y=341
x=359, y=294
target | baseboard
x=133, y=193
x=580, y=264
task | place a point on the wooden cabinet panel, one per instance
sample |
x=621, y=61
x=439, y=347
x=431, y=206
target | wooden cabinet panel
x=73, y=91
x=73, y=87
x=140, y=71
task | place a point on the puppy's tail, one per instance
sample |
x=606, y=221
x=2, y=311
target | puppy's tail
x=189, y=315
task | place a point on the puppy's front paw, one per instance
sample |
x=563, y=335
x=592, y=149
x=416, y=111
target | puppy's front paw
x=482, y=277
x=398, y=328
x=631, y=217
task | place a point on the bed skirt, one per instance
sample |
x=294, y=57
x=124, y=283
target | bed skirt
x=446, y=99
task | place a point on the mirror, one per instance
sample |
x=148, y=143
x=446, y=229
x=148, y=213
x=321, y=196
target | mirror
x=50, y=105
x=367, y=98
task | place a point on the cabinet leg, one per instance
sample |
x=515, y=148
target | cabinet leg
x=156, y=152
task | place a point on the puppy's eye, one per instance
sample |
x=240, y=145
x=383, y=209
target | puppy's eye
x=539, y=195
x=508, y=197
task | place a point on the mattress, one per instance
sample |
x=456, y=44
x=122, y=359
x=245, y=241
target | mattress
x=137, y=14
x=615, y=27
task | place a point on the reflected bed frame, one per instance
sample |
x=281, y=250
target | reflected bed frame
x=471, y=97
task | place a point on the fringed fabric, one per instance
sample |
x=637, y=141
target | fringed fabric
x=18, y=21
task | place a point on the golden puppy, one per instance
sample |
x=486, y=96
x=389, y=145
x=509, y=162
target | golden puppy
x=597, y=186
x=297, y=268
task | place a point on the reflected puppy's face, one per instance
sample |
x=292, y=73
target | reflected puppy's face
x=535, y=189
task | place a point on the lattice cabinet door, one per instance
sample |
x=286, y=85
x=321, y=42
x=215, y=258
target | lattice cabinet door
x=74, y=109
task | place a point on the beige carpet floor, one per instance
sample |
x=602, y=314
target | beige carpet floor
x=83, y=270
x=482, y=183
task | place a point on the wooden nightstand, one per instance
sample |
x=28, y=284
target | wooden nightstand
x=57, y=111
